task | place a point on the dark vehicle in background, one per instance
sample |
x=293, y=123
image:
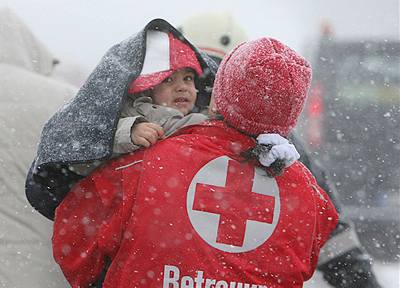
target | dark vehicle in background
x=352, y=124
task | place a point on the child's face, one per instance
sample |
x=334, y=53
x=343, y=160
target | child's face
x=177, y=91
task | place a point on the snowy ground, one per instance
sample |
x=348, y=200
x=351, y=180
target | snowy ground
x=388, y=275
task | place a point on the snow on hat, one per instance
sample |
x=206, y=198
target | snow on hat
x=261, y=87
x=164, y=55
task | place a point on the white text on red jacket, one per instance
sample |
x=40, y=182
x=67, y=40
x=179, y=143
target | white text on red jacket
x=172, y=279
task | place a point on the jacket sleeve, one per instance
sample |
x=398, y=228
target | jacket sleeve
x=174, y=123
x=122, y=140
x=46, y=187
x=88, y=226
x=326, y=220
x=169, y=119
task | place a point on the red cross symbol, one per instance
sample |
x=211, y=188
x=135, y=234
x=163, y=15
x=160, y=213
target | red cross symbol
x=235, y=203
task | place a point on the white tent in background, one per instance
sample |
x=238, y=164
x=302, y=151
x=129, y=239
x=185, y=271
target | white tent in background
x=28, y=96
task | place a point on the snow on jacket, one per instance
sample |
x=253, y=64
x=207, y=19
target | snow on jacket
x=199, y=215
x=84, y=130
x=28, y=98
x=142, y=109
x=219, y=33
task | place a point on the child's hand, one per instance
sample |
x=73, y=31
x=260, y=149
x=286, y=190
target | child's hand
x=146, y=133
x=281, y=149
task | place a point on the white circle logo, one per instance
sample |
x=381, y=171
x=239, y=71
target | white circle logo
x=233, y=206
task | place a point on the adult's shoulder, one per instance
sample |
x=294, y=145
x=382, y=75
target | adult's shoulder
x=300, y=172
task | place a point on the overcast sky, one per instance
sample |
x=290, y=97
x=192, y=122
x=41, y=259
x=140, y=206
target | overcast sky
x=82, y=30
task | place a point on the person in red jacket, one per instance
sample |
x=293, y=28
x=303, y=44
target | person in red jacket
x=194, y=210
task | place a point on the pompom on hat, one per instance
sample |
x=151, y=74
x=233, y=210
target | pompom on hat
x=261, y=87
x=165, y=54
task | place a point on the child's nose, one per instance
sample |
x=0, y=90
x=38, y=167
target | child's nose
x=181, y=85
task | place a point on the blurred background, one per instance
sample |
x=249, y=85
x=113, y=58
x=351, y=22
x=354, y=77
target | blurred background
x=352, y=118
x=79, y=32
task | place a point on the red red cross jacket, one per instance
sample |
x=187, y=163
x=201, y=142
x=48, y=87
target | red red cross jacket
x=190, y=212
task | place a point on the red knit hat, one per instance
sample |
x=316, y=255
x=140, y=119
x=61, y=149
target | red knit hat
x=261, y=87
x=164, y=55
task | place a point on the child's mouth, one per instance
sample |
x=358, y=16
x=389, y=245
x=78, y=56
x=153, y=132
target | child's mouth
x=181, y=100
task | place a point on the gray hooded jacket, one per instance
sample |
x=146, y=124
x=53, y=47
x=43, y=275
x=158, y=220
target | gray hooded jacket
x=84, y=130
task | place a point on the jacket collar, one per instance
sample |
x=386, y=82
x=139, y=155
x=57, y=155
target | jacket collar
x=218, y=128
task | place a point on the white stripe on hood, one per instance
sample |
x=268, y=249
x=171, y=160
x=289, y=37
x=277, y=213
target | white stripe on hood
x=157, y=53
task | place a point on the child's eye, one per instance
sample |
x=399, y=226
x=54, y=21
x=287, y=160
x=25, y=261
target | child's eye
x=189, y=78
x=167, y=80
